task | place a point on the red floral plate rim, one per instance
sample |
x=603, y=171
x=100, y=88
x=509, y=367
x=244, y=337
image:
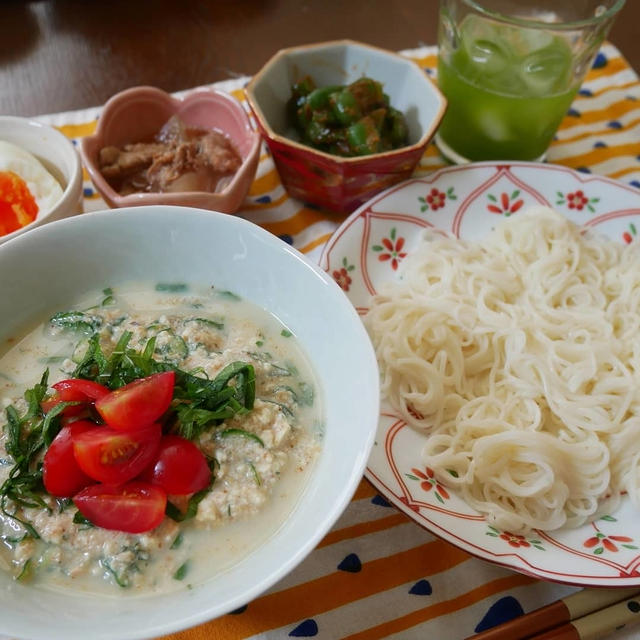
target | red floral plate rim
x=467, y=200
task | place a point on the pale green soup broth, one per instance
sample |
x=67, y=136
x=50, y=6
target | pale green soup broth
x=256, y=487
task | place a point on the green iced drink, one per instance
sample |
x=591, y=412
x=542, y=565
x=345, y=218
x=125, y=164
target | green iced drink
x=507, y=87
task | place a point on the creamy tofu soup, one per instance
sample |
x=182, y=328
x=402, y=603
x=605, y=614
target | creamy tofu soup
x=260, y=459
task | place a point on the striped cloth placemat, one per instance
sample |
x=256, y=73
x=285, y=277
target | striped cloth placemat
x=377, y=574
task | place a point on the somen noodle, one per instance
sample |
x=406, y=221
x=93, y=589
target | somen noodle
x=519, y=357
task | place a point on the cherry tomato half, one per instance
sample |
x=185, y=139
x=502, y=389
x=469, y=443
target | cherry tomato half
x=138, y=403
x=135, y=507
x=180, y=467
x=114, y=457
x=74, y=390
x=69, y=389
x=61, y=474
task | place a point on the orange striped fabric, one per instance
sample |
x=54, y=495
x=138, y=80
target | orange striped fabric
x=377, y=574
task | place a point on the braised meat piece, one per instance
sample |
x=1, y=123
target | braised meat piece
x=179, y=158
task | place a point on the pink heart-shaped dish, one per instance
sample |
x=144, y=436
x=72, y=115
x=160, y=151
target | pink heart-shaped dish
x=137, y=114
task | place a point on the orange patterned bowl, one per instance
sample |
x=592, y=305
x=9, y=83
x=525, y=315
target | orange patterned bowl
x=329, y=181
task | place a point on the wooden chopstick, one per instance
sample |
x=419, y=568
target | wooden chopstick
x=577, y=617
x=597, y=625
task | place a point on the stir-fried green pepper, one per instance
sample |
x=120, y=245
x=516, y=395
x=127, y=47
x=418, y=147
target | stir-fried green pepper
x=351, y=120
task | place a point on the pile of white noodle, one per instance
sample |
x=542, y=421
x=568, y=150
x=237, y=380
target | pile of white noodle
x=519, y=356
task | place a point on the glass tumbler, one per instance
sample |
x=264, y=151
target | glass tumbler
x=510, y=69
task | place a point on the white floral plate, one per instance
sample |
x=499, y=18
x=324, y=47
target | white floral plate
x=367, y=249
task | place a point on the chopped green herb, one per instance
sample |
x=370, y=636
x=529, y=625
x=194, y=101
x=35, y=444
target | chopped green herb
x=277, y=370
x=229, y=295
x=177, y=541
x=80, y=350
x=306, y=395
x=192, y=507
x=76, y=321
x=63, y=503
x=181, y=572
x=264, y=356
x=78, y=518
x=120, y=580
x=50, y=425
x=291, y=368
x=303, y=395
x=256, y=475
x=109, y=299
x=26, y=572
x=285, y=333
x=242, y=433
x=174, y=349
x=259, y=343
x=199, y=371
x=27, y=436
x=202, y=403
x=159, y=327
x=13, y=540
x=283, y=407
x=216, y=324
x=171, y=287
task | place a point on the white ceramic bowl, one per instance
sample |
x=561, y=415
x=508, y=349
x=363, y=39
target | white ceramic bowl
x=170, y=243
x=60, y=158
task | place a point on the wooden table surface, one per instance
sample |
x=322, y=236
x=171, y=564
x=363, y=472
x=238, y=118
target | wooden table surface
x=58, y=55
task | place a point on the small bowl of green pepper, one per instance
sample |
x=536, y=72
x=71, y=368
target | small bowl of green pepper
x=347, y=120
x=343, y=120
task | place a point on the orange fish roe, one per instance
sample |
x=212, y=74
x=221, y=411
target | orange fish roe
x=18, y=207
